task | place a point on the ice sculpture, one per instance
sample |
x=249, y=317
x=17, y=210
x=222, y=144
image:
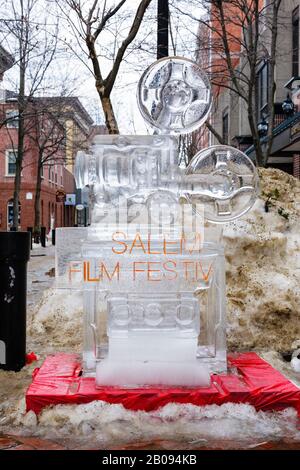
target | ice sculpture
x=151, y=264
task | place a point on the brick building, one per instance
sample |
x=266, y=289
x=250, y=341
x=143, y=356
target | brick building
x=58, y=191
x=78, y=124
x=229, y=117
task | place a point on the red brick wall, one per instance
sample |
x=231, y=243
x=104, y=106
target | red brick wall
x=48, y=205
x=296, y=165
x=217, y=65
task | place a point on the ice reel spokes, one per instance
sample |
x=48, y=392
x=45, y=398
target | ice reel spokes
x=174, y=95
x=224, y=180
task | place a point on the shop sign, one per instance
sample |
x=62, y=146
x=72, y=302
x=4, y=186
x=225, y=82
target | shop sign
x=70, y=200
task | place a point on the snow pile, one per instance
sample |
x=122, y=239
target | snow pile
x=100, y=422
x=56, y=321
x=12, y=391
x=263, y=268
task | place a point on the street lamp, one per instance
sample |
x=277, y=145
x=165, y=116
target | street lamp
x=262, y=127
x=288, y=106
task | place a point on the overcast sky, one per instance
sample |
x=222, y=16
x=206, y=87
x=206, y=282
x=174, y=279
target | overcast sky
x=67, y=65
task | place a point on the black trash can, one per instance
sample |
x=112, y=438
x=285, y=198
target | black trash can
x=14, y=255
x=30, y=229
x=53, y=236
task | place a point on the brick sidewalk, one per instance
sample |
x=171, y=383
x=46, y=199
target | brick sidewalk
x=10, y=442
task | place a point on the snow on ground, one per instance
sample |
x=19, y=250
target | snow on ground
x=103, y=424
x=263, y=304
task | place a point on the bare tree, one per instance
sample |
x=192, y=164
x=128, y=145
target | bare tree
x=26, y=36
x=90, y=21
x=188, y=146
x=236, y=37
x=47, y=134
x=243, y=48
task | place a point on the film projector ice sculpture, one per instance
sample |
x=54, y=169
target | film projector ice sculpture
x=153, y=289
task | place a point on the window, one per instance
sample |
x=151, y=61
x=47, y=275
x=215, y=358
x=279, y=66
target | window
x=295, y=43
x=10, y=163
x=12, y=117
x=262, y=79
x=49, y=173
x=225, y=127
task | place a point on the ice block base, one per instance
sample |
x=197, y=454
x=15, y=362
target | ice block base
x=135, y=374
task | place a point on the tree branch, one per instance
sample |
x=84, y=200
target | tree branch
x=106, y=17
x=110, y=80
x=215, y=133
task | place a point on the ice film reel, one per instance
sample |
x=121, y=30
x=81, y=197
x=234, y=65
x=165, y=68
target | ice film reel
x=174, y=95
x=224, y=180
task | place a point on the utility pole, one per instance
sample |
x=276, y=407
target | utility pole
x=162, y=28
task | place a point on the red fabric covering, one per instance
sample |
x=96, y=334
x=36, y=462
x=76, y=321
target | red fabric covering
x=30, y=358
x=249, y=380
